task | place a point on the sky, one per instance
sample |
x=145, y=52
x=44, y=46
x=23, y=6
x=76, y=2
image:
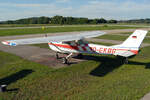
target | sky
x=108, y=9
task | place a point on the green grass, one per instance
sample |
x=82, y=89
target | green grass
x=43, y=45
x=129, y=33
x=7, y=32
x=146, y=40
x=113, y=37
x=126, y=33
x=103, y=78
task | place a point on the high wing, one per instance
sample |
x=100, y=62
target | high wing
x=60, y=38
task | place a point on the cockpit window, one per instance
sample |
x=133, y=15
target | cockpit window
x=74, y=43
x=68, y=42
x=82, y=42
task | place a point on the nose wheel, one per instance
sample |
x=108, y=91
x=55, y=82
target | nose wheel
x=64, y=59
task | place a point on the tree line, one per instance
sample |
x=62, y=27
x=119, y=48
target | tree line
x=136, y=21
x=59, y=20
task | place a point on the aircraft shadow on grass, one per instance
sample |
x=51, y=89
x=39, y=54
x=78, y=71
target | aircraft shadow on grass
x=14, y=77
x=108, y=64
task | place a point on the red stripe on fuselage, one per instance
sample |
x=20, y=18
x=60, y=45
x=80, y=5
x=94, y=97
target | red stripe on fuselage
x=65, y=46
x=133, y=51
x=92, y=48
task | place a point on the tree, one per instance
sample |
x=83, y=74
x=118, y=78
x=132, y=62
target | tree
x=57, y=20
x=65, y=20
x=33, y=20
x=102, y=20
x=112, y=21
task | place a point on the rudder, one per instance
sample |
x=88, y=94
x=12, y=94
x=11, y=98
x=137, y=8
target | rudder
x=135, y=39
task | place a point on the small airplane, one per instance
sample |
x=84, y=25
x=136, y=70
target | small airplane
x=76, y=44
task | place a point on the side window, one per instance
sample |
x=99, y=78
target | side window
x=73, y=43
x=66, y=43
x=70, y=43
x=80, y=42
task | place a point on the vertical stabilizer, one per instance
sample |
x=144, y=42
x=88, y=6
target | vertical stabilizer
x=135, y=39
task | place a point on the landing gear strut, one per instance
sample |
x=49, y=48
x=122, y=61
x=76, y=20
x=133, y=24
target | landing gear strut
x=64, y=59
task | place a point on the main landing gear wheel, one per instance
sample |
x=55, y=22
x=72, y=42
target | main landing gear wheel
x=64, y=60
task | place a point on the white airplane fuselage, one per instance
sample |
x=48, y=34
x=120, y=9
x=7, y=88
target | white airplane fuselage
x=92, y=49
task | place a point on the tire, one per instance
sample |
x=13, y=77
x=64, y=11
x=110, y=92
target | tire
x=64, y=61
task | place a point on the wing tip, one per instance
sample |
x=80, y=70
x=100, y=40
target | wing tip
x=9, y=43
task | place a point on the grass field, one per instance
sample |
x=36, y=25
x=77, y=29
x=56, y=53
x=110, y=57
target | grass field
x=7, y=32
x=95, y=79
x=43, y=45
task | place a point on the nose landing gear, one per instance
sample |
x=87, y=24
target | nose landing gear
x=64, y=59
